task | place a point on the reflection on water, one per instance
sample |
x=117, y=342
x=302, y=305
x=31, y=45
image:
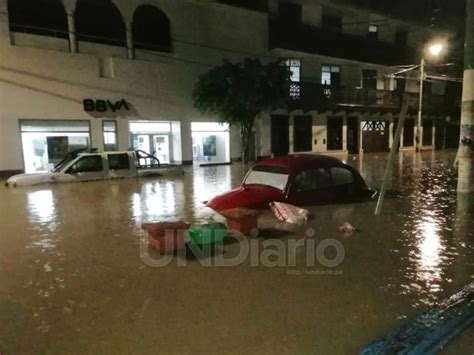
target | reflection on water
x=42, y=207
x=429, y=251
x=71, y=278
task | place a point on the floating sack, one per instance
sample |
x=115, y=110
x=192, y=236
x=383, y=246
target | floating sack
x=289, y=213
x=208, y=233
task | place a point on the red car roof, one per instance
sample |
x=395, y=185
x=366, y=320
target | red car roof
x=297, y=162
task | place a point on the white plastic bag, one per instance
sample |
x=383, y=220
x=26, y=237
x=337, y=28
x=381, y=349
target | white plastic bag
x=289, y=213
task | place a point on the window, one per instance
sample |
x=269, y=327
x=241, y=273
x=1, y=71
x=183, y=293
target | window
x=294, y=65
x=87, y=164
x=369, y=79
x=151, y=29
x=311, y=179
x=331, y=75
x=24, y=17
x=289, y=13
x=373, y=32
x=118, y=162
x=341, y=176
x=99, y=21
x=401, y=38
x=110, y=135
x=331, y=23
x=273, y=176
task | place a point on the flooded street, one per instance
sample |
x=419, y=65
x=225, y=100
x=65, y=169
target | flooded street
x=72, y=280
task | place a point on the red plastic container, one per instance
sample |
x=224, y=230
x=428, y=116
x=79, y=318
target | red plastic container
x=166, y=236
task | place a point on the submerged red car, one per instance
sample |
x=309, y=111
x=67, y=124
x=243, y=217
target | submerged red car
x=301, y=180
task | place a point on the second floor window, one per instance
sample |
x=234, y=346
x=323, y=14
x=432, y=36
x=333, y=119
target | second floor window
x=331, y=75
x=401, y=38
x=290, y=13
x=369, y=79
x=295, y=68
x=373, y=32
x=331, y=23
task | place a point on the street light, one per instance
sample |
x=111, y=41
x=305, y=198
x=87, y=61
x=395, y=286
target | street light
x=434, y=50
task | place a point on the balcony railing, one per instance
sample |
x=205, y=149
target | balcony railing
x=312, y=96
x=311, y=39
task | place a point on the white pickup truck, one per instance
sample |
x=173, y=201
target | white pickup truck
x=96, y=166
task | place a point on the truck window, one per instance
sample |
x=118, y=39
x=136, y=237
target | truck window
x=92, y=163
x=118, y=162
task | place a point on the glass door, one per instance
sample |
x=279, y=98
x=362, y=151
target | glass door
x=161, y=148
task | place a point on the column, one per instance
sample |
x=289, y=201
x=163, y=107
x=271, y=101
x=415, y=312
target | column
x=390, y=133
x=401, y=137
x=344, y=133
x=71, y=25
x=361, y=135
x=130, y=49
x=290, y=132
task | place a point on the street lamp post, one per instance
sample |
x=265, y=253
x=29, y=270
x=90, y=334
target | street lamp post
x=420, y=106
x=434, y=50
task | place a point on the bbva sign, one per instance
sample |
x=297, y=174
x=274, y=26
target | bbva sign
x=91, y=105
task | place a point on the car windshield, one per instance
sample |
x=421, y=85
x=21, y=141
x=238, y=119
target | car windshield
x=273, y=176
x=59, y=166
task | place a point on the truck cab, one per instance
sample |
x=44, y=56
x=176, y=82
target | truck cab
x=89, y=167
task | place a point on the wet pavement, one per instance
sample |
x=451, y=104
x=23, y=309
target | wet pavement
x=72, y=279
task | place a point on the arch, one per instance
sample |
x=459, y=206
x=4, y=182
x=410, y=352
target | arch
x=99, y=21
x=30, y=17
x=151, y=29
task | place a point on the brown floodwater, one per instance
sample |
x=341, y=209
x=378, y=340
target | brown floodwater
x=72, y=279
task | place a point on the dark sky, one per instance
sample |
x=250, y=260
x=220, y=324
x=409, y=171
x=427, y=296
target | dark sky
x=437, y=12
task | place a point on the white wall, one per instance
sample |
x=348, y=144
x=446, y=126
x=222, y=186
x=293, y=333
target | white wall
x=39, y=79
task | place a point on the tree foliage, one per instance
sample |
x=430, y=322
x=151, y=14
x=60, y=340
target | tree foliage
x=237, y=93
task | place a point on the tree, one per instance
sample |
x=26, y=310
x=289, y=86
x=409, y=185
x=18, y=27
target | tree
x=237, y=93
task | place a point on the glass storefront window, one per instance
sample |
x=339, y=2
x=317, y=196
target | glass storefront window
x=46, y=142
x=211, y=142
x=110, y=135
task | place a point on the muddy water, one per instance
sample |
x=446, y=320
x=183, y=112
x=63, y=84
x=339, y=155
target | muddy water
x=72, y=280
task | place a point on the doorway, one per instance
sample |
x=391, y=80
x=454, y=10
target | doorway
x=375, y=136
x=352, y=135
x=408, y=132
x=280, y=131
x=335, y=133
x=303, y=134
x=427, y=135
x=152, y=138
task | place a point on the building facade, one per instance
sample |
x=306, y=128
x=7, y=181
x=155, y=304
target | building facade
x=119, y=74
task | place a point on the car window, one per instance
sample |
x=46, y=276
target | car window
x=118, y=161
x=86, y=164
x=311, y=179
x=341, y=176
x=273, y=176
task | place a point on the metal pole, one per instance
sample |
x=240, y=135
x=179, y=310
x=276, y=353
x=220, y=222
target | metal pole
x=465, y=157
x=391, y=156
x=420, y=106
